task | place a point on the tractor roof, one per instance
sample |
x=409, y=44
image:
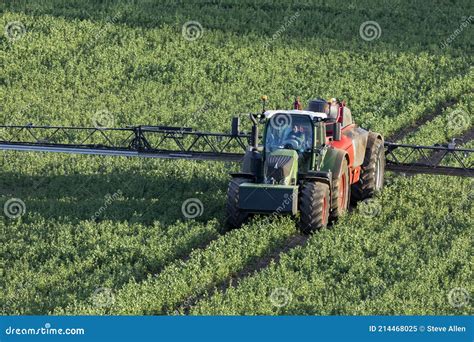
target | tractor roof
x=269, y=113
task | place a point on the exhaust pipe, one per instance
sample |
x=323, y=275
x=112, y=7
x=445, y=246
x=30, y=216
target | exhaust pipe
x=254, y=136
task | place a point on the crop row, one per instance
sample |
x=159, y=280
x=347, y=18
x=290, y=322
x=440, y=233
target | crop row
x=205, y=269
x=453, y=122
x=49, y=263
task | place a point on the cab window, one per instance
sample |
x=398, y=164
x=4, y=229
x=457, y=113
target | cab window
x=289, y=132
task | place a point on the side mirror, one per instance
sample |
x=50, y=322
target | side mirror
x=337, y=131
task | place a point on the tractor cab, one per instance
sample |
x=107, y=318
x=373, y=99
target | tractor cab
x=290, y=138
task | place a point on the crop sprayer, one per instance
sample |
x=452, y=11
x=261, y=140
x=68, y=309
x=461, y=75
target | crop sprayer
x=313, y=161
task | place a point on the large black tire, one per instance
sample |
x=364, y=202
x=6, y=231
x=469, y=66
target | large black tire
x=314, y=206
x=235, y=216
x=372, y=173
x=340, y=195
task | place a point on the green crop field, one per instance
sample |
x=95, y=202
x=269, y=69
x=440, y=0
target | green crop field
x=112, y=235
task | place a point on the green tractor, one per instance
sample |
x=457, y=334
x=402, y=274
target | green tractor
x=313, y=162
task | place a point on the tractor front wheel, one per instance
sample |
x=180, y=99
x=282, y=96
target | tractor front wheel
x=314, y=206
x=235, y=216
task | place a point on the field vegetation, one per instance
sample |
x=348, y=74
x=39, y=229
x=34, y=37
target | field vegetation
x=102, y=235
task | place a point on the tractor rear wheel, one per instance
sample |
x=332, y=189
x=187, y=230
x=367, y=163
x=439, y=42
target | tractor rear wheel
x=372, y=173
x=314, y=206
x=235, y=216
x=340, y=192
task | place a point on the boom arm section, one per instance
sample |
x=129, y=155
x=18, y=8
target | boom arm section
x=448, y=160
x=138, y=141
x=185, y=143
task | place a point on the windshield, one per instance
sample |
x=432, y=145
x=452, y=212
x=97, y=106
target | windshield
x=289, y=132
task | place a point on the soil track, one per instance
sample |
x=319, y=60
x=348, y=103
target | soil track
x=260, y=264
x=407, y=130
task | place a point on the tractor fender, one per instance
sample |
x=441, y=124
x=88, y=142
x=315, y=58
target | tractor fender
x=373, y=136
x=333, y=160
x=361, y=140
x=320, y=176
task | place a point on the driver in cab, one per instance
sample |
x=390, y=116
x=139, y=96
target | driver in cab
x=297, y=133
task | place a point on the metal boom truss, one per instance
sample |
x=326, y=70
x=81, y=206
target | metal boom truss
x=185, y=143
